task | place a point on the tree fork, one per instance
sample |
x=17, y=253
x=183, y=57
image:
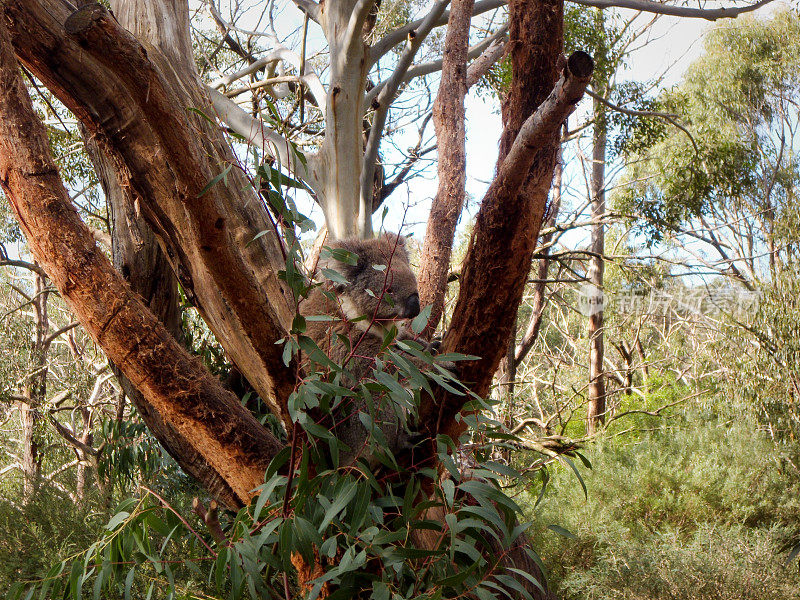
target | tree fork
x=134, y=101
x=228, y=437
x=507, y=226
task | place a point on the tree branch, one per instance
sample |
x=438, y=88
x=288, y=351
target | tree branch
x=23, y=265
x=547, y=118
x=227, y=436
x=355, y=25
x=391, y=39
x=385, y=97
x=50, y=338
x=498, y=37
x=710, y=14
x=69, y=436
x=448, y=119
x=309, y=76
x=256, y=132
x=506, y=229
x=309, y=7
x=481, y=65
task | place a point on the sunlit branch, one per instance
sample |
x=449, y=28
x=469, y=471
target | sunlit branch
x=710, y=14
x=391, y=39
x=310, y=78
x=384, y=98
x=481, y=65
x=436, y=65
x=311, y=8
x=356, y=23
x=548, y=117
x=259, y=134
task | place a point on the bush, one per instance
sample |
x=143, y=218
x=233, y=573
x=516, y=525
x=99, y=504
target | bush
x=702, y=511
x=48, y=529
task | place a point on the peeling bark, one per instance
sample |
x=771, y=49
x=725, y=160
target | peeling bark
x=227, y=437
x=135, y=249
x=448, y=120
x=134, y=103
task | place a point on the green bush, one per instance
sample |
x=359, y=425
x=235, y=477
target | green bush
x=699, y=511
x=48, y=529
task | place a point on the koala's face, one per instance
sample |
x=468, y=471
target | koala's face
x=381, y=282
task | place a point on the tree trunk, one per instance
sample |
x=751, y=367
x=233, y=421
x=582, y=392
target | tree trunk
x=596, y=409
x=540, y=287
x=448, y=120
x=30, y=463
x=226, y=436
x=347, y=212
x=134, y=101
x=142, y=263
x=34, y=390
x=507, y=226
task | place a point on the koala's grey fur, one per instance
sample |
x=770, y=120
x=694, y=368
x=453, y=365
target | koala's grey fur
x=363, y=296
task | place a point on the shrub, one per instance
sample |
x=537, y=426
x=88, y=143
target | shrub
x=699, y=511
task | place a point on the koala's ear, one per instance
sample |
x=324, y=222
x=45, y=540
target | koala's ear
x=393, y=238
x=345, y=257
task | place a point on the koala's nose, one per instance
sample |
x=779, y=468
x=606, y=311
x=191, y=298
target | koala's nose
x=412, y=306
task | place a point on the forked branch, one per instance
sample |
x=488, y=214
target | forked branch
x=228, y=437
x=507, y=226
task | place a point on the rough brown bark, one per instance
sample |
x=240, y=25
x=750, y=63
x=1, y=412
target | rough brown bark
x=537, y=310
x=448, y=120
x=135, y=249
x=507, y=226
x=596, y=408
x=135, y=103
x=228, y=438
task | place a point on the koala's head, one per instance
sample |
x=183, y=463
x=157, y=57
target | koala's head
x=379, y=279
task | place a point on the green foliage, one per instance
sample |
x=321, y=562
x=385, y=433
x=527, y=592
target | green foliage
x=737, y=101
x=630, y=133
x=700, y=509
x=382, y=524
x=141, y=538
x=766, y=378
x=49, y=529
x=360, y=525
x=600, y=33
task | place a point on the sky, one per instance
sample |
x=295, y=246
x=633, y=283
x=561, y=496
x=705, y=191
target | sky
x=674, y=44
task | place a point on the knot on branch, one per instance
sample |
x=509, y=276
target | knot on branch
x=85, y=18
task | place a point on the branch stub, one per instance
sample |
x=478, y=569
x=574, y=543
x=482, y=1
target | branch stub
x=84, y=18
x=580, y=64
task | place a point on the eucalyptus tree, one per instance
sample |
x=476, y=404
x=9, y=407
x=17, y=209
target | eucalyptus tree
x=131, y=80
x=723, y=188
x=722, y=195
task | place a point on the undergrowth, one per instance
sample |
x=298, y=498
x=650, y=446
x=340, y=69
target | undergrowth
x=699, y=510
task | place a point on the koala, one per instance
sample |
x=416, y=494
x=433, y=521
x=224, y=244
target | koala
x=362, y=313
